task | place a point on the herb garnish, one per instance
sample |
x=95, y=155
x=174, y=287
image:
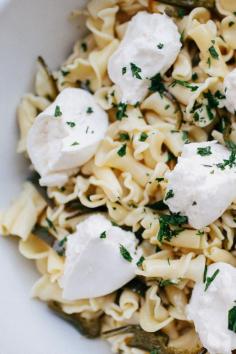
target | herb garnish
x=160, y=45
x=169, y=194
x=231, y=23
x=204, y=151
x=184, y=84
x=50, y=224
x=166, y=282
x=57, y=112
x=124, y=69
x=71, y=124
x=75, y=143
x=125, y=254
x=140, y=261
x=124, y=136
x=209, y=62
x=157, y=84
x=194, y=76
x=122, y=151
x=89, y=110
x=165, y=232
x=231, y=162
x=200, y=233
x=103, y=234
x=143, y=136
x=65, y=72
x=59, y=246
x=213, y=52
x=135, y=71
x=232, y=319
x=209, y=280
x=121, y=111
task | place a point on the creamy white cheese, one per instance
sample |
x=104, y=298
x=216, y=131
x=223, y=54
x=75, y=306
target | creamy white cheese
x=94, y=263
x=209, y=309
x=198, y=188
x=150, y=46
x=66, y=135
x=230, y=91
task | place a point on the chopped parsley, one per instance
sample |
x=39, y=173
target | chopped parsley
x=121, y=111
x=165, y=221
x=89, y=110
x=160, y=179
x=57, y=112
x=205, y=273
x=181, y=12
x=59, y=246
x=213, y=52
x=124, y=69
x=103, y=234
x=231, y=23
x=140, y=261
x=71, y=124
x=143, y=136
x=157, y=84
x=184, y=84
x=122, y=151
x=167, y=282
x=135, y=71
x=169, y=194
x=209, y=280
x=231, y=162
x=124, y=136
x=125, y=254
x=167, y=107
x=50, y=224
x=75, y=143
x=84, y=46
x=160, y=45
x=194, y=76
x=232, y=319
x=65, y=72
x=204, y=151
x=200, y=233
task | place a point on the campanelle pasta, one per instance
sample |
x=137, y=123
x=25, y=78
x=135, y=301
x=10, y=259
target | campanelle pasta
x=126, y=178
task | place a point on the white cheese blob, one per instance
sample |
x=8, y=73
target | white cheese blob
x=230, y=91
x=209, y=309
x=66, y=135
x=94, y=263
x=198, y=188
x=150, y=46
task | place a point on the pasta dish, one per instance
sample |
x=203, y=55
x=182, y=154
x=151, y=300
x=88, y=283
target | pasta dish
x=129, y=210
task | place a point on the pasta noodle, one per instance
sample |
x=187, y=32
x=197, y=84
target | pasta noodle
x=130, y=189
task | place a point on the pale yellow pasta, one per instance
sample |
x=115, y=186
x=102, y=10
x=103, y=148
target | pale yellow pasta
x=127, y=176
x=20, y=218
x=186, y=267
x=153, y=316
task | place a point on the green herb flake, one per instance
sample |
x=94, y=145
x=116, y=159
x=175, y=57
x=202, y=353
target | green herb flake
x=89, y=110
x=231, y=162
x=124, y=136
x=181, y=12
x=182, y=34
x=84, y=46
x=200, y=233
x=194, y=76
x=205, y=274
x=232, y=319
x=140, y=261
x=231, y=23
x=143, y=136
x=184, y=84
x=125, y=254
x=121, y=111
x=167, y=107
x=75, y=143
x=169, y=194
x=157, y=84
x=103, y=234
x=209, y=62
x=50, y=224
x=209, y=280
x=166, y=282
x=124, y=69
x=71, y=124
x=135, y=71
x=160, y=45
x=213, y=52
x=204, y=151
x=122, y=151
x=57, y=112
x=165, y=221
x=65, y=72
x=160, y=179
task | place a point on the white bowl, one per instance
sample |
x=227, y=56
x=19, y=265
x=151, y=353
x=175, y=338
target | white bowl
x=29, y=28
